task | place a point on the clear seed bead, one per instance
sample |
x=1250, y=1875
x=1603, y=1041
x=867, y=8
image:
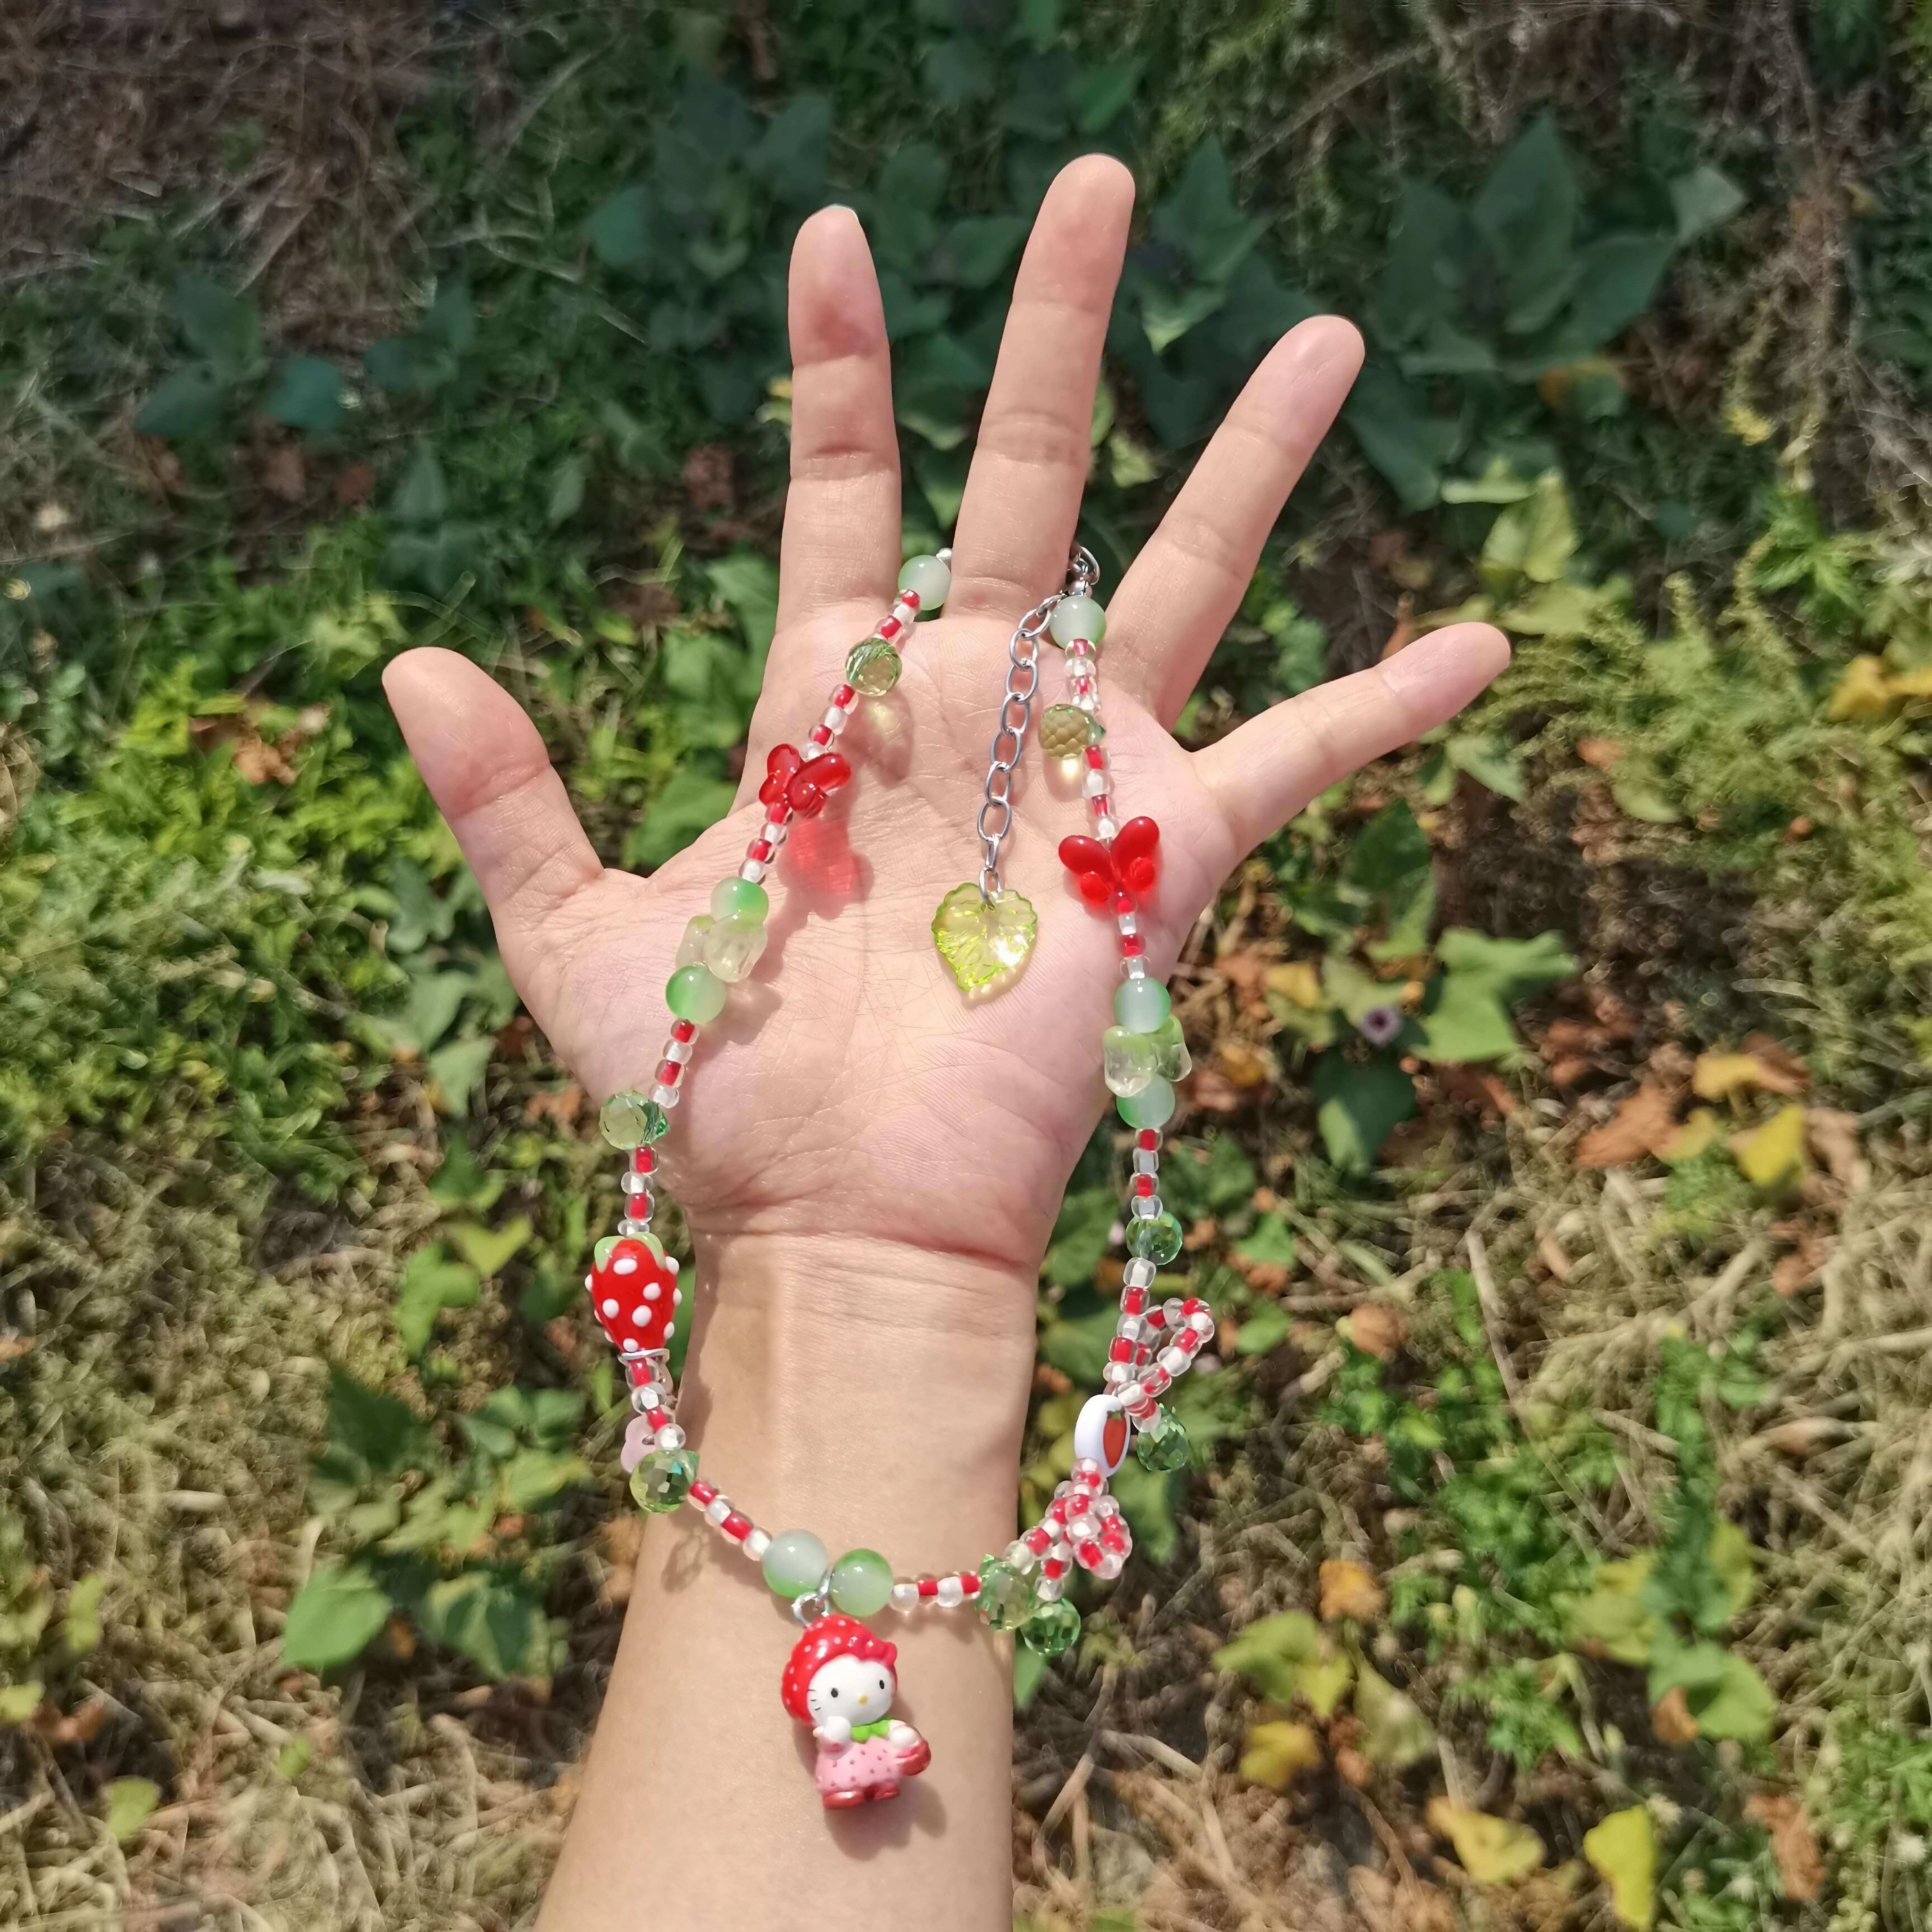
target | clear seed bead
x=952, y=1593
x=756, y=1543
x=678, y=1050
x=905, y=1598
x=671, y=1437
x=634, y=1227
x=1146, y=1207
x=1139, y=1273
x=1146, y=1161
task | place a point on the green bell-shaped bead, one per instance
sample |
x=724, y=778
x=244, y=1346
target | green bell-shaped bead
x=1156, y=1238
x=1163, y=1444
x=1006, y=1595
x=1051, y=1628
x=663, y=1479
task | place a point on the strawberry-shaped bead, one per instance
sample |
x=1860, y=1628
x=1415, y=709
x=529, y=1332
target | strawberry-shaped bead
x=801, y=783
x=1132, y=864
x=635, y=1296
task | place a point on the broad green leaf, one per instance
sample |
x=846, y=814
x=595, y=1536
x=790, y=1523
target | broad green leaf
x=1263, y=1329
x=1493, y=1851
x=1271, y=1241
x=1534, y=539
x=1623, y=1850
x=335, y=1616
x=1100, y=94
x=1421, y=277
x=1526, y=211
x=747, y=585
x=533, y=1477
x=19, y=1702
x=789, y=157
x=1611, y=1619
x=1029, y=1670
x=1462, y=1021
x=1323, y=1681
x=494, y=1619
x=977, y=251
x=422, y=497
x=1358, y=1105
x=184, y=404
x=1269, y=1651
x=487, y=1249
x=130, y=1803
x=1408, y=443
x=1198, y=216
x=292, y=1759
x=1167, y=314
x=223, y=328
x=80, y=1625
x=460, y=1182
x=1703, y=199
x=309, y=394
x=1490, y=761
x=1734, y=1559
x=567, y=482
x=387, y=1434
x=1639, y=793
x=1148, y=1496
x=1499, y=483
x=1395, y=1734
x=1740, y=1706
x=692, y=802
x=1080, y=1236
x=1390, y=853
x=431, y=1282
x=1551, y=611
x=450, y=320
x=456, y=1071
x=1621, y=275
x=1515, y=967
x=1078, y=1347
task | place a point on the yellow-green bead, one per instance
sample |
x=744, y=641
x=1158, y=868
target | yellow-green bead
x=733, y=946
x=1162, y=1445
x=663, y=1480
x=1006, y=1595
x=1154, y=1237
x=1142, y=1006
x=1152, y=1106
x=695, y=993
x=1051, y=1628
x=631, y=1120
x=691, y=947
x=872, y=667
x=1066, y=730
x=928, y=578
x=795, y=1562
x=1172, y=1060
x=862, y=1583
x=1126, y=1061
x=739, y=899
x=1077, y=617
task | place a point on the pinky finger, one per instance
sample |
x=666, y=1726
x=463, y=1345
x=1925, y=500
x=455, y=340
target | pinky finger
x=1261, y=776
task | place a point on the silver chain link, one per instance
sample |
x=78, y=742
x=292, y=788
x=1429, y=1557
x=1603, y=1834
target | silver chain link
x=996, y=814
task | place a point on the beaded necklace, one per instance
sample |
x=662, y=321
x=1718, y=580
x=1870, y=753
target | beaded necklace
x=840, y=1678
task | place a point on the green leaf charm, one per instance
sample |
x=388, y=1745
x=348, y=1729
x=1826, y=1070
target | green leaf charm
x=980, y=939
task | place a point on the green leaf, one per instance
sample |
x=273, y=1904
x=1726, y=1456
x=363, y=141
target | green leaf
x=1167, y=314
x=789, y=157
x=1401, y=435
x=388, y=1435
x=1390, y=856
x=1263, y=1329
x=309, y=394
x=1270, y=1652
x=450, y=320
x=1612, y=1618
x=747, y=585
x=390, y=363
x=1489, y=761
x=1526, y=211
x=692, y=801
x=1621, y=275
x=1079, y=1348
x=292, y=1759
x=335, y=1616
x=1099, y=94
x=1272, y=1241
x=533, y=1477
x=1734, y=1560
x=1029, y=1670
x=494, y=1619
x=130, y=1803
x=487, y=1249
x=1515, y=968
x=456, y=1070
x=422, y=497
x=1740, y=1706
x=19, y=1702
x=1534, y=539
x=1080, y=1237
x=1394, y=1731
x=184, y=404
x=1422, y=275
x=566, y=491
x=431, y=1282
x=1199, y=217
x=460, y=1182
x=977, y=252
x=80, y=1626
x=1357, y=1107
x=1463, y=1021
x=222, y=328
x=1623, y=1850
x=1704, y=198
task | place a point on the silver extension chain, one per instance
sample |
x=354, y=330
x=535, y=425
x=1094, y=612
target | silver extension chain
x=996, y=814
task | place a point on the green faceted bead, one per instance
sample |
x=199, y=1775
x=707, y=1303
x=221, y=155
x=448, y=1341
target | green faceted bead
x=928, y=578
x=1077, y=617
x=1154, y=1237
x=1172, y=1060
x=1162, y=1445
x=631, y=1120
x=862, y=1583
x=1127, y=1060
x=1142, y=1006
x=1051, y=1628
x=1006, y=1595
x=1152, y=1106
x=739, y=899
x=872, y=667
x=663, y=1480
x=795, y=1562
x=695, y=993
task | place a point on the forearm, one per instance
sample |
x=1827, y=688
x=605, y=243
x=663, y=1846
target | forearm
x=876, y=1397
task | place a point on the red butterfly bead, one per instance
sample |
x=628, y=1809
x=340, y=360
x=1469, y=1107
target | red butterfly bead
x=1132, y=864
x=635, y=1296
x=801, y=783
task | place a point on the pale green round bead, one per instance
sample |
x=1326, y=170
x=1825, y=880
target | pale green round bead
x=1152, y=1106
x=928, y=578
x=1141, y=1006
x=1051, y=1628
x=1172, y=1060
x=872, y=667
x=862, y=1583
x=795, y=1562
x=734, y=946
x=1162, y=1445
x=631, y=1120
x=663, y=1480
x=1077, y=617
x=1006, y=1595
x=1154, y=1237
x=1127, y=1060
x=739, y=899
x=695, y=993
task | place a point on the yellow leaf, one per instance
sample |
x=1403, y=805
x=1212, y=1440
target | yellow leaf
x=1276, y=1754
x=1774, y=1154
x=1692, y=1138
x=1717, y=1076
x=1322, y=1681
x=1347, y=1590
x=1298, y=981
x=1394, y=1731
x=1911, y=683
x=1623, y=1849
x=1492, y=1850
x=1863, y=692
x=981, y=940
x=1748, y=424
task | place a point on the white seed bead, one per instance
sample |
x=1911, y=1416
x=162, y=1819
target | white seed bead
x=1146, y=1207
x=665, y=1096
x=670, y=1436
x=1131, y=1328
x=635, y=1228
x=952, y=1593
x=1094, y=785
x=678, y=1051
x=717, y=1510
x=1202, y=1323
x=751, y=869
x=756, y=1542
x=834, y=720
x=1132, y=1395
x=1128, y=924
x=1048, y=1589
x=1113, y=1374
x=905, y=613
x=1018, y=1555
x=1174, y=1360
x=1106, y=830
x=634, y=1183
x=1083, y=1529
x=1146, y=1161
x=1175, y=1308
x=905, y=1598
x=1133, y=969
x=1139, y=1272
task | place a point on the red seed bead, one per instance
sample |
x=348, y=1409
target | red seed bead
x=1120, y=1350
x=658, y=1418
x=737, y=1527
x=684, y=1030
x=1132, y=1300
x=760, y=849
x=642, y=1161
x=821, y=734
x=1144, y=1184
x=844, y=696
x=1194, y=1305
x=1123, y=901
x=1103, y=804
x=928, y=1586
x=1038, y=1540
x=1149, y=1139
x=1087, y=1554
x=704, y=1494
x=1053, y=1566
x=1095, y=757
x=889, y=628
x=909, y=598
x=969, y=1582
x=1156, y=1381
x=1132, y=945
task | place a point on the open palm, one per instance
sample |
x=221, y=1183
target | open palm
x=848, y=1088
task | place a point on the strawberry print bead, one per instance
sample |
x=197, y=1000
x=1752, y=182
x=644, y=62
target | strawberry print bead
x=635, y=1296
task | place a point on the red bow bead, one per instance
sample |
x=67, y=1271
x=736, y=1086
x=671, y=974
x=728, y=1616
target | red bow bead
x=800, y=783
x=1133, y=864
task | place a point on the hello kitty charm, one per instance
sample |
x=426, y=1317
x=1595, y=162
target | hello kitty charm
x=840, y=1680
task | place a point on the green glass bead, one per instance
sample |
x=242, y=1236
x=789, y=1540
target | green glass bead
x=739, y=899
x=862, y=1583
x=1006, y=1595
x=1077, y=617
x=1154, y=1237
x=695, y=993
x=872, y=667
x=734, y=947
x=1126, y=1059
x=1142, y=1006
x=1051, y=1628
x=1152, y=1106
x=1172, y=1060
x=691, y=947
x=1162, y=1445
x=929, y=579
x=1066, y=730
x=600, y=1254
x=663, y=1480
x=795, y=1562
x=631, y=1120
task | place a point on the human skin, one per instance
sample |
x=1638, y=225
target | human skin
x=870, y=1164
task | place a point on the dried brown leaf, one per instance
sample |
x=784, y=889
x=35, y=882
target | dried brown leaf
x=1794, y=1845
x=1670, y=1717
x=1833, y=1137
x=1644, y=1121
x=1602, y=753
x=1376, y=1329
x=284, y=474
x=1347, y=1590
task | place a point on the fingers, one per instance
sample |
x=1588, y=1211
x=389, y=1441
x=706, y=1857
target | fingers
x=842, y=524
x=1022, y=496
x=1184, y=588
x=490, y=774
x=1263, y=774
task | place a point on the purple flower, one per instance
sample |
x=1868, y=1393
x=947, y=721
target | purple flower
x=1380, y=1024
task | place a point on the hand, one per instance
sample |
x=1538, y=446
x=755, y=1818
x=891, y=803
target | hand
x=836, y=1732
x=848, y=1090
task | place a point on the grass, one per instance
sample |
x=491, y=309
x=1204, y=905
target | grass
x=1509, y=1449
